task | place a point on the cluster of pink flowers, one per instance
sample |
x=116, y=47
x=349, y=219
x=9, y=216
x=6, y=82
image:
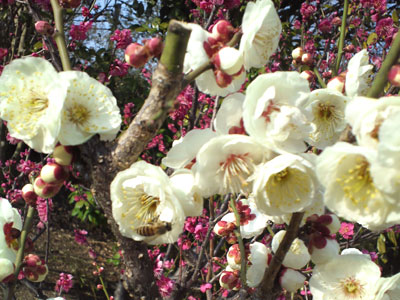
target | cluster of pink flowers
x=157, y=142
x=119, y=68
x=79, y=32
x=41, y=207
x=128, y=112
x=307, y=10
x=122, y=37
x=64, y=283
x=80, y=236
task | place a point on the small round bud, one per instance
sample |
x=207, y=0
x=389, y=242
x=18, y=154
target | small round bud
x=224, y=228
x=43, y=27
x=63, y=155
x=394, y=75
x=297, y=53
x=136, y=55
x=54, y=173
x=29, y=195
x=307, y=59
x=154, y=46
x=230, y=279
x=336, y=21
x=34, y=269
x=233, y=257
x=308, y=74
x=99, y=287
x=337, y=83
x=223, y=31
x=44, y=189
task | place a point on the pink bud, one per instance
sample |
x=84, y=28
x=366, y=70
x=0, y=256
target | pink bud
x=307, y=59
x=34, y=268
x=44, y=189
x=154, y=46
x=43, y=27
x=349, y=48
x=394, y=75
x=136, y=55
x=337, y=83
x=54, y=173
x=336, y=21
x=297, y=54
x=308, y=74
x=63, y=155
x=99, y=287
x=29, y=194
x=223, y=228
x=233, y=257
x=223, y=31
x=229, y=279
x=222, y=79
x=32, y=260
x=70, y=3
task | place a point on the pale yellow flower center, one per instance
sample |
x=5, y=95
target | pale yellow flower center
x=235, y=171
x=357, y=183
x=327, y=118
x=78, y=114
x=352, y=288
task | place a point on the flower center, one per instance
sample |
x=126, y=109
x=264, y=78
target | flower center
x=36, y=103
x=357, y=183
x=269, y=110
x=352, y=288
x=236, y=169
x=78, y=114
x=327, y=118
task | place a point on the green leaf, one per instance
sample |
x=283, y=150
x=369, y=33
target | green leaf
x=372, y=38
x=395, y=16
x=381, y=244
x=392, y=237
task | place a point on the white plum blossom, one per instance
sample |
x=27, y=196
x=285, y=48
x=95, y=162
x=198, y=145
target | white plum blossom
x=196, y=56
x=144, y=205
x=326, y=108
x=182, y=181
x=31, y=101
x=351, y=276
x=259, y=258
x=350, y=190
x=229, y=116
x=225, y=163
x=183, y=152
x=230, y=60
x=358, y=74
x=90, y=108
x=285, y=184
x=291, y=280
x=271, y=113
x=9, y=218
x=6, y=268
x=319, y=256
x=261, y=29
x=297, y=256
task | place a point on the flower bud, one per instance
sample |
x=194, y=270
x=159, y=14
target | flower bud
x=54, y=173
x=349, y=48
x=230, y=279
x=337, y=83
x=44, y=189
x=43, y=27
x=297, y=54
x=229, y=60
x=324, y=254
x=34, y=269
x=291, y=280
x=63, y=155
x=6, y=268
x=29, y=194
x=70, y=3
x=222, y=79
x=154, y=46
x=223, y=31
x=233, y=257
x=136, y=55
x=394, y=75
x=307, y=59
x=308, y=74
x=332, y=222
x=224, y=228
x=336, y=21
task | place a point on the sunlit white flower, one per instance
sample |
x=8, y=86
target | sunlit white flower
x=228, y=119
x=285, y=184
x=31, y=100
x=291, y=280
x=259, y=258
x=225, y=163
x=324, y=254
x=183, y=152
x=351, y=192
x=270, y=112
x=358, y=74
x=326, y=108
x=182, y=181
x=388, y=288
x=230, y=60
x=297, y=256
x=10, y=220
x=261, y=30
x=350, y=276
x=144, y=205
x=90, y=108
x=197, y=56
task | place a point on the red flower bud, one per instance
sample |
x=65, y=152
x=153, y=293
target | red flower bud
x=43, y=27
x=307, y=59
x=223, y=31
x=29, y=194
x=44, y=189
x=297, y=54
x=63, y=155
x=154, y=46
x=54, y=173
x=394, y=75
x=136, y=55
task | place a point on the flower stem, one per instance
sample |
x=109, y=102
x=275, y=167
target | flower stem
x=243, y=263
x=319, y=78
x=381, y=78
x=59, y=35
x=342, y=36
x=20, y=254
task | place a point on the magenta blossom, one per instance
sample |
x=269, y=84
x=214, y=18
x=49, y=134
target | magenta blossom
x=64, y=283
x=347, y=230
x=122, y=37
x=80, y=236
x=79, y=32
x=119, y=68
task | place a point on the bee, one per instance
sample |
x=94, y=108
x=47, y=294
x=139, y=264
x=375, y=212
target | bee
x=154, y=229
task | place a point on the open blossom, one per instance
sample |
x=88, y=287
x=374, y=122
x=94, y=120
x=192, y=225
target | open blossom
x=226, y=162
x=358, y=74
x=144, y=205
x=261, y=30
x=351, y=276
x=10, y=223
x=89, y=108
x=31, y=101
x=271, y=113
x=388, y=288
x=346, y=172
x=229, y=116
x=285, y=184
